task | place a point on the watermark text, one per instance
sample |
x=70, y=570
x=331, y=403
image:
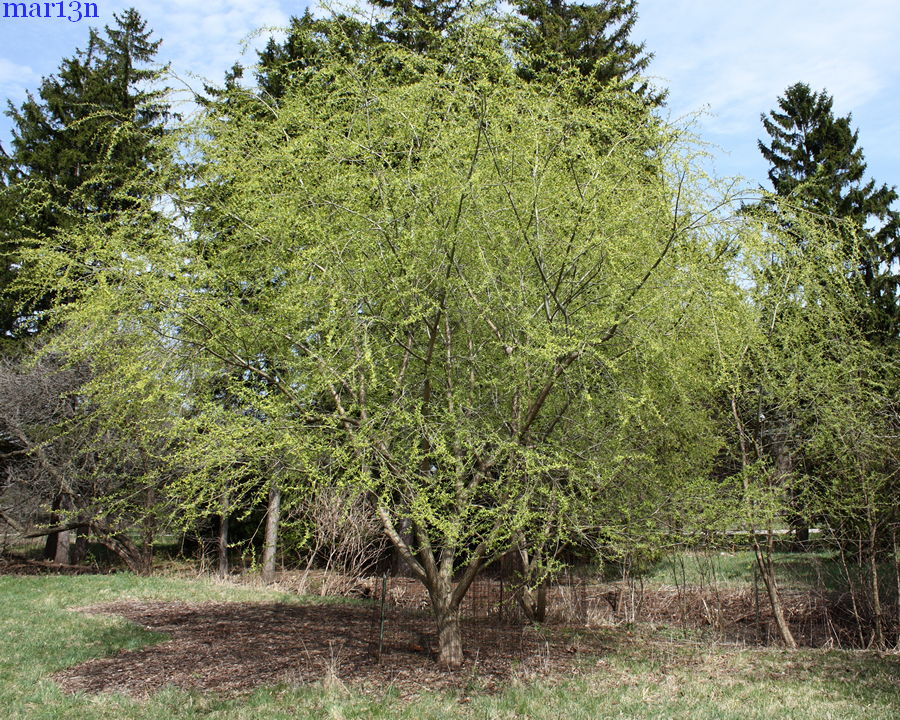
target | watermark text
x=73, y=10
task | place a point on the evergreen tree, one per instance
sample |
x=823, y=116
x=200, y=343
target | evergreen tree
x=309, y=42
x=419, y=25
x=79, y=145
x=594, y=38
x=815, y=161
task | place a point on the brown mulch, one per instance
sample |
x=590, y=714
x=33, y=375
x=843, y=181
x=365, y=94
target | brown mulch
x=231, y=648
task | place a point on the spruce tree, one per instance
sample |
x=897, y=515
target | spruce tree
x=594, y=38
x=419, y=25
x=78, y=145
x=816, y=161
x=309, y=40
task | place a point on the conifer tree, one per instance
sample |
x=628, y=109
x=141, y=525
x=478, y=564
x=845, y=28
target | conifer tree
x=308, y=41
x=418, y=25
x=816, y=161
x=594, y=38
x=79, y=144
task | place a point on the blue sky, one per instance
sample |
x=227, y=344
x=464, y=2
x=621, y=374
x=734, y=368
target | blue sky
x=728, y=61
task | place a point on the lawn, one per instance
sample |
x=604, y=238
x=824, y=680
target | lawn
x=636, y=676
x=819, y=570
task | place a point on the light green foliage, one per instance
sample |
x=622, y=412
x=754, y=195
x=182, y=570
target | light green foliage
x=835, y=390
x=490, y=308
x=798, y=353
x=451, y=290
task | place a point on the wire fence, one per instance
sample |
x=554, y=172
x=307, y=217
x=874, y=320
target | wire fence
x=700, y=605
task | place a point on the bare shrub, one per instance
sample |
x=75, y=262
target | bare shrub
x=68, y=471
x=344, y=543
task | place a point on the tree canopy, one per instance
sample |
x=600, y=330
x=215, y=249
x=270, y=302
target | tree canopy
x=454, y=269
x=595, y=38
x=439, y=291
x=816, y=162
x=78, y=144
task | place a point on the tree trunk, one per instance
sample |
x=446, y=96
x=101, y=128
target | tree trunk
x=50, y=541
x=62, y=553
x=767, y=570
x=800, y=531
x=435, y=571
x=877, y=612
x=897, y=579
x=764, y=561
x=532, y=600
x=56, y=547
x=446, y=615
x=273, y=516
x=63, y=540
x=149, y=529
x=450, y=653
x=223, y=545
x=117, y=541
x=78, y=549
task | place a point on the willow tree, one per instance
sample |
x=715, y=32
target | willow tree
x=452, y=299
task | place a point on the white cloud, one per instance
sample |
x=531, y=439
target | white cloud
x=736, y=59
x=739, y=57
x=15, y=78
x=202, y=41
x=205, y=39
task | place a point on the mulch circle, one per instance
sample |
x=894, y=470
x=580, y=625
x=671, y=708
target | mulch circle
x=232, y=648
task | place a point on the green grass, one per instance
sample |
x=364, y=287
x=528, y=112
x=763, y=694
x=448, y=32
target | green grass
x=640, y=678
x=818, y=570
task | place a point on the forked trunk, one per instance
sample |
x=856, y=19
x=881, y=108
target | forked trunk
x=767, y=570
x=437, y=577
x=533, y=602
